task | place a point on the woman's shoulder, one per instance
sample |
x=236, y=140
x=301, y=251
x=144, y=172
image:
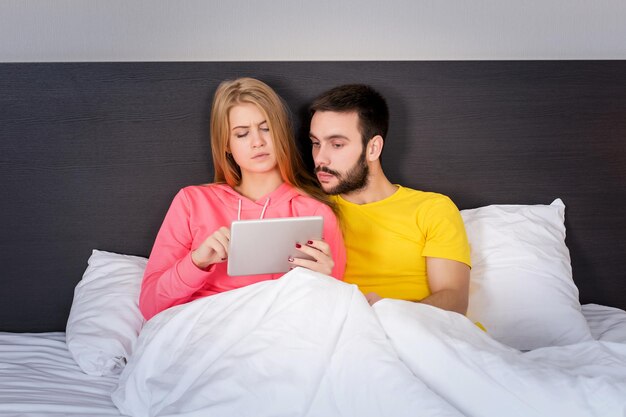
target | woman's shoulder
x=308, y=205
x=192, y=194
x=203, y=189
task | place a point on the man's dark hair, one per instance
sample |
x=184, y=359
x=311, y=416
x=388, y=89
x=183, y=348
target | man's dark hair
x=367, y=102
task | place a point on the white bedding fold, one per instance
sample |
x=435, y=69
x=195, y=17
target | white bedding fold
x=482, y=377
x=313, y=346
x=304, y=345
x=308, y=345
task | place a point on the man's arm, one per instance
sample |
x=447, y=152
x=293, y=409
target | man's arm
x=449, y=284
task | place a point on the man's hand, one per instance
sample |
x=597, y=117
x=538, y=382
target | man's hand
x=372, y=298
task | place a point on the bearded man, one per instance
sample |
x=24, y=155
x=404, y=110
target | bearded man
x=401, y=243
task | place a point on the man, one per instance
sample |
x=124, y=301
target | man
x=401, y=243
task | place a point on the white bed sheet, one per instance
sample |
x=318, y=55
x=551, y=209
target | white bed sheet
x=38, y=376
x=607, y=324
x=484, y=378
x=308, y=345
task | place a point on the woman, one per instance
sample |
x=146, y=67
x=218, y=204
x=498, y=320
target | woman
x=258, y=174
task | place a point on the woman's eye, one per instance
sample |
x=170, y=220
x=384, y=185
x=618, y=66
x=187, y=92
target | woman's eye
x=337, y=145
x=241, y=135
x=315, y=144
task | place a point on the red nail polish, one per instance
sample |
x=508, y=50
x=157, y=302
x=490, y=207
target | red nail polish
x=298, y=245
x=310, y=242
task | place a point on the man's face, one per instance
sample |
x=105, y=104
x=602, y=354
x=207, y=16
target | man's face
x=338, y=152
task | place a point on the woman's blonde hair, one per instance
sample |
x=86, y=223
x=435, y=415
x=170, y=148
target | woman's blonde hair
x=249, y=90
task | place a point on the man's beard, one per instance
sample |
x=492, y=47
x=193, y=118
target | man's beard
x=354, y=179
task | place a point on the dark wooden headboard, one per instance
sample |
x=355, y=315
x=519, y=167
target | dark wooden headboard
x=92, y=153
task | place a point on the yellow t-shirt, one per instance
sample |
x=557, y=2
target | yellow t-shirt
x=387, y=241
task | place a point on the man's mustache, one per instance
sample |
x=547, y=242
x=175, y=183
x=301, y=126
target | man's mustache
x=326, y=170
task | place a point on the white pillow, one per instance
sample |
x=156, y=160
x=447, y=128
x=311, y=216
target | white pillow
x=521, y=286
x=105, y=320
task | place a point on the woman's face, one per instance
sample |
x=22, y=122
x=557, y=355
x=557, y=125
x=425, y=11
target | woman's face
x=250, y=140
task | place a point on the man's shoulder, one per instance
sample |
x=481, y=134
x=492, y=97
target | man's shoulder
x=402, y=197
x=424, y=197
x=426, y=204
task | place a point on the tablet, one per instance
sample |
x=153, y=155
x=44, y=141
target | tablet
x=264, y=246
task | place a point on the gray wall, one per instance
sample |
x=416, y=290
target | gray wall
x=298, y=30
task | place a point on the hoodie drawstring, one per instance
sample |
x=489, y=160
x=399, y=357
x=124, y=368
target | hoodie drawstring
x=267, y=202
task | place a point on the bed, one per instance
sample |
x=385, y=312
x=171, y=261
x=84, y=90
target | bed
x=532, y=152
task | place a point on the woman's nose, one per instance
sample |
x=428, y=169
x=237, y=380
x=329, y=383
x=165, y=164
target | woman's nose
x=257, y=139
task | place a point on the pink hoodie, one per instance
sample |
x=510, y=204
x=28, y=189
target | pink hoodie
x=171, y=277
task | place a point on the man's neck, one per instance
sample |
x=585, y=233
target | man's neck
x=378, y=188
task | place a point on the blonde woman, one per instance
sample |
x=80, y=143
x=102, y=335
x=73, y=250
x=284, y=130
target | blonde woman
x=258, y=174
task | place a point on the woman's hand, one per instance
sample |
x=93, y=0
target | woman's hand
x=320, y=251
x=213, y=250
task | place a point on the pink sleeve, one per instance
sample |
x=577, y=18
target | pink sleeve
x=333, y=236
x=163, y=284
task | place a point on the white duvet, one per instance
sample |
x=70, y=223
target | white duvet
x=308, y=345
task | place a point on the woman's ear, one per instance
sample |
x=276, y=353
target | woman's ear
x=375, y=148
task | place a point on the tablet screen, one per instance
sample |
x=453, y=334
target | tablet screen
x=264, y=246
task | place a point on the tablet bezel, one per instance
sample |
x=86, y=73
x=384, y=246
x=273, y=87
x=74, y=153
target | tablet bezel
x=263, y=246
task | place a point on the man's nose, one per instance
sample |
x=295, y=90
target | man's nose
x=320, y=156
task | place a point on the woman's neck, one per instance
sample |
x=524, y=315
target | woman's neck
x=255, y=186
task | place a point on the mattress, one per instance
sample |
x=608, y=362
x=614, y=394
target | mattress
x=39, y=377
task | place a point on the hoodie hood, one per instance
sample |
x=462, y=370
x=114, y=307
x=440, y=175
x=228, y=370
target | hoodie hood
x=248, y=209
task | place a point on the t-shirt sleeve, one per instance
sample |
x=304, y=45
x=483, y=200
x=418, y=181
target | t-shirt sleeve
x=445, y=231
